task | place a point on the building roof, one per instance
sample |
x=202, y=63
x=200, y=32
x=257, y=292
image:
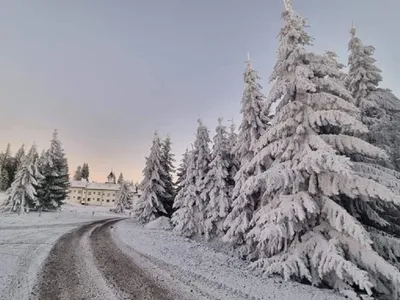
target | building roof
x=94, y=185
x=111, y=175
x=78, y=183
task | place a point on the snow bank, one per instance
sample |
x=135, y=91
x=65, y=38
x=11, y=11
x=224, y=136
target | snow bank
x=160, y=223
x=207, y=271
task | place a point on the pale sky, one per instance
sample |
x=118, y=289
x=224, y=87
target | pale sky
x=107, y=74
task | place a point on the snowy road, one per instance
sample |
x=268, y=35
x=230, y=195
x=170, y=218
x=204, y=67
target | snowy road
x=77, y=257
x=87, y=264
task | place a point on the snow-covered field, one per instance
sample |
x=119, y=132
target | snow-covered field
x=26, y=240
x=204, y=270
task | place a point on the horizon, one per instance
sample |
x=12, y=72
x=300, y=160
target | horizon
x=108, y=77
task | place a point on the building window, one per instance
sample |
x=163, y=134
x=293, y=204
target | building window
x=79, y=198
x=98, y=193
x=113, y=200
x=80, y=192
x=89, y=193
x=108, y=200
x=88, y=199
x=74, y=197
x=98, y=199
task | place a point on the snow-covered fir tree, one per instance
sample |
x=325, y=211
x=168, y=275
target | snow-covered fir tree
x=167, y=162
x=181, y=172
x=191, y=202
x=124, y=197
x=120, y=179
x=217, y=184
x=150, y=205
x=4, y=179
x=184, y=217
x=380, y=109
x=53, y=166
x=255, y=111
x=19, y=159
x=307, y=227
x=78, y=173
x=43, y=169
x=23, y=189
x=234, y=163
x=85, y=171
x=7, y=169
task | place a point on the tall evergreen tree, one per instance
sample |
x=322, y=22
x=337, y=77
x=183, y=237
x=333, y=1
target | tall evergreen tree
x=253, y=126
x=218, y=184
x=7, y=169
x=78, y=174
x=181, y=172
x=234, y=164
x=23, y=189
x=4, y=179
x=167, y=162
x=19, y=159
x=306, y=227
x=150, y=205
x=380, y=109
x=124, y=197
x=120, y=179
x=191, y=202
x=41, y=187
x=85, y=171
x=185, y=217
x=54, y=167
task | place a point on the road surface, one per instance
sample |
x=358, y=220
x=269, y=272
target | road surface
x=87, y=264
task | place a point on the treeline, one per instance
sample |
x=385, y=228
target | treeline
x=32, y=180
x=310, y=191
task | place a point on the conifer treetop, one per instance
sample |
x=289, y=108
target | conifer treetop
x=364, y=74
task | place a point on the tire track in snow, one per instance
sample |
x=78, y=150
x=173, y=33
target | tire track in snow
x=87, y=264
x=207, y=288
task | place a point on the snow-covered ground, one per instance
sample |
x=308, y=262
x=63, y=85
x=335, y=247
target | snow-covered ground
x=196, y=267
x=205, y=270
x=26, y=240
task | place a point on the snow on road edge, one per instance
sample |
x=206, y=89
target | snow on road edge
x=217, y=269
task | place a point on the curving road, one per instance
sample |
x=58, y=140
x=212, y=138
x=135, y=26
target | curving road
x=87, y=264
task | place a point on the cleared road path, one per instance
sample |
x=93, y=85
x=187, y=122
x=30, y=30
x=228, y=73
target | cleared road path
x=87, y=264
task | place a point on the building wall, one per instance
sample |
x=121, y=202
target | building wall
x=96, y=194
x=89, y=196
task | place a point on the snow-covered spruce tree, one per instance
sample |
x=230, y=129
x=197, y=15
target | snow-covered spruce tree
x=53, y=188
x=120, y=179
x=191, y=202
x=305, y=228
x=217, y=184
x=167, y=161
x=184, y=217
x=124, y=197
x=4, y=179
x=380, y=109
x=23, y=189
x=234, y=163
x=254, y=123
x=150, y=205
x=85, y=171
x=78, y=173
x=7, y=169
x=181, y=172
x=19, y=159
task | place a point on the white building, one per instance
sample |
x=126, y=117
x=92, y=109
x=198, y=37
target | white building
x=97, y=194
